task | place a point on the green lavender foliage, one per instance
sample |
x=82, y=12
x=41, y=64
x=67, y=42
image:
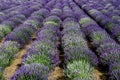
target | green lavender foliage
x=81, y=70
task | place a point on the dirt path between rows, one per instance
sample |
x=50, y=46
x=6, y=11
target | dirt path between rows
x=97, y=74
x=57, y=74
x=2, y=41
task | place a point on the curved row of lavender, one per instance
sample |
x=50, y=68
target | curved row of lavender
x=107, y=50
x=42, y=56
x=105, y=22
x=79, y=59
x=19, y=37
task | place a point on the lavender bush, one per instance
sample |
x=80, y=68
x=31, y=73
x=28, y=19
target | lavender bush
x=31, y=72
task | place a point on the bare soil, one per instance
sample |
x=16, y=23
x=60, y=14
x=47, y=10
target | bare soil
x=2, y=41
x=97, y=74
x=57, y=74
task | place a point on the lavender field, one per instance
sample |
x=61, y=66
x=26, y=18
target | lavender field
x=59, y=39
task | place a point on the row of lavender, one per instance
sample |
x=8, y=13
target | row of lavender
x=21, y=34
x=43, y=55
x=107, y=50
x=79, y=59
